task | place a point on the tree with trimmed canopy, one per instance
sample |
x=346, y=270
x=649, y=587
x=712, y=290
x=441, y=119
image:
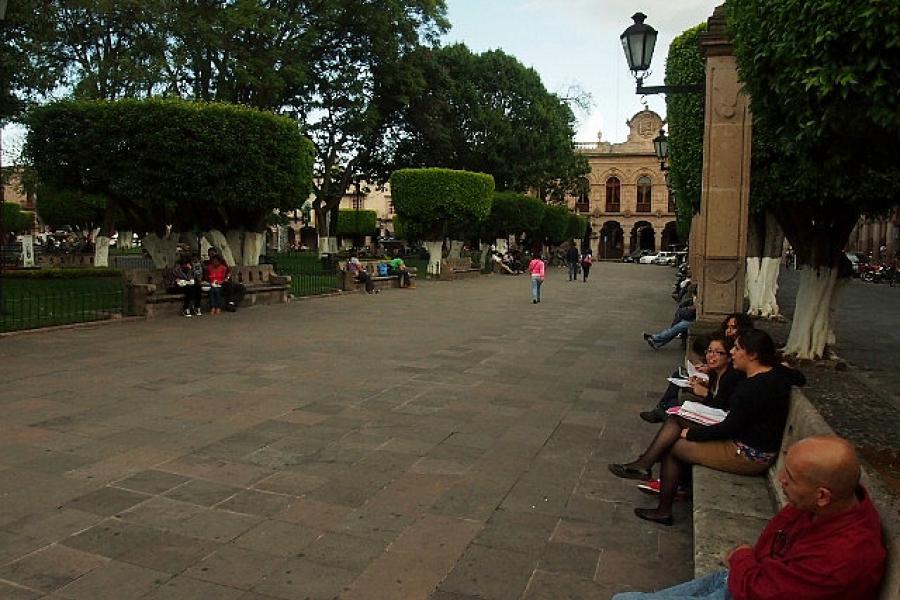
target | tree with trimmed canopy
x=171, y=167
x=439, y=203
x=555, y=225
x=356, y=224
x=823, y=83
x=14, y=220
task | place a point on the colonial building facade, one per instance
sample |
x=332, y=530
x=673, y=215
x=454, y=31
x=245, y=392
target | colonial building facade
x=626, y=196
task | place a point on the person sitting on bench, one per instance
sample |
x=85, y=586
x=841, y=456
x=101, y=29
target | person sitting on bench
x=398, y=267
x=359, y=273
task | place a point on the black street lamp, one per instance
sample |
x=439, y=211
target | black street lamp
x=638, y=42
x=661, y=146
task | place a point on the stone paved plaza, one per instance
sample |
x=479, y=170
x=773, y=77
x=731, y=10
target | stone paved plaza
x=448, y=442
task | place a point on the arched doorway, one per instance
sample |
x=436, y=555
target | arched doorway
x=642, y=236
x=612, y=240
x=670, y=235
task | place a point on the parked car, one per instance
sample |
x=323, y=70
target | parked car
x=666, y=258
x=636, y=255
x=648, y=258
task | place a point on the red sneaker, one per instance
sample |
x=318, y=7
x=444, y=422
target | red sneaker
x=652, y=487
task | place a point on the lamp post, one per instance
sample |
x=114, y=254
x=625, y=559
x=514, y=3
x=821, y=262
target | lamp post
x=638, y=42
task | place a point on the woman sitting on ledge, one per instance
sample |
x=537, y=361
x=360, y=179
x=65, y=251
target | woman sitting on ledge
x=746, y=442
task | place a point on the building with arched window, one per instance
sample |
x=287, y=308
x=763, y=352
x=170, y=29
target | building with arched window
x=626, y=196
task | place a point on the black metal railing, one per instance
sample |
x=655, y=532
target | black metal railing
x=34, y=308
x=310, y=275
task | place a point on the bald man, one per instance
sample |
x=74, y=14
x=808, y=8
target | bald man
x=824, y=545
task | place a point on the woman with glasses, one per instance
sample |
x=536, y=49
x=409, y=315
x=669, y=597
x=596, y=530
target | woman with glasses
x=744, y=443
x=733, y=325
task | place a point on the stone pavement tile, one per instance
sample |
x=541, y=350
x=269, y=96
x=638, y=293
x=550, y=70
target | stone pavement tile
x=582, y=508
x=255, y=596
x=113, y=581
x=253, y=502
x=540, y=493
x=490, y=573
x=374, y=524
x=275, y=430
x=558, y=586
x=151, y=482
x=162, y=513
x=313, y=514
x=292, y=483
x=17, y=454
x=169, y=552
x=441, y=595
x=202, y=493
x=278, y=537
x=345, y=493
x=107, y=501
x=56, y=462
x=235, y=446
x=568, y=558
x=477, y=440
x=51, y=567
x=10, y=591
x=638, y=573
x=10, y=433
x=235, y=567
x=112, y=538
x=218, y=525
x=434, y=466
x=186, y=588
x=122, y=464
x=525, y=532
x=450, y=450
x=301, y=416
x=221, y=471
x=53, y=525
x=411, y=494
x=433, y=544
x=408, y=446
x=302, y=578
x=14, y=546
x=15, y=479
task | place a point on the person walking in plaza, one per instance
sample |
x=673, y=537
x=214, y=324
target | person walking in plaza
x=572, y=259
x=536, y=269
x=587, y=259
x=825, y=544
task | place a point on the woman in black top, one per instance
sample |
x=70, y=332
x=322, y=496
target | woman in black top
x=745, y=443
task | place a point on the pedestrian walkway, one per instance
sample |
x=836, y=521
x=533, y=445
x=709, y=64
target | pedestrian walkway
x=449, y=442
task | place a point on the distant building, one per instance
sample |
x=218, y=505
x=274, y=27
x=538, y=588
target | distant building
x=878, y=237
x=627, y=199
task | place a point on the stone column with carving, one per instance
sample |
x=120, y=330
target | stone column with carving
x=722, y=241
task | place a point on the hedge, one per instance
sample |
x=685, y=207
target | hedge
x=577, y=227
x=555, y=224
x=356, y=223
x=62, y=273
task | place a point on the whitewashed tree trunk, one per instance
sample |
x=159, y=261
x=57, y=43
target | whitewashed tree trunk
x=163, y=250
x=204, y=247
x=28, y=250
x=235, y=239
x=220, y=243
x=328, y=245
x=455, y=249
x=485, y=254
x=434, y=256
x=101, y=251
x=502, y=245
x=762, y=286
x=126, y=239
x=193, y=242
x=254, y=244
x=813, y=326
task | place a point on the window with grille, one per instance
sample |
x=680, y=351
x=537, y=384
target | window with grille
x=644, y=192
x=613, y=194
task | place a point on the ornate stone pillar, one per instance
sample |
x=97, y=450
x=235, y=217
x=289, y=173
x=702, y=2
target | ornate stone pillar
x=722, y=243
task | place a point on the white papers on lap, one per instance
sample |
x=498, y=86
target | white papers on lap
x=682, y=383
x=693, y=372
x=700, y=413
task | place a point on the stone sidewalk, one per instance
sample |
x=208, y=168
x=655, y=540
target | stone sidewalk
x=448, y=442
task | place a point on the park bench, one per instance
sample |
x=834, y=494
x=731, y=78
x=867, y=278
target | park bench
x=733, y=509
x=458, y=268
x=347, y=281
x=148, y=295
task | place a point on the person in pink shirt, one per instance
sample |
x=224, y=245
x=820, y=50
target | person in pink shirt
x=536, y=268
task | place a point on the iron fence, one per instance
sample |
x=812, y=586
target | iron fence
x=310, y=276
x=33, y=308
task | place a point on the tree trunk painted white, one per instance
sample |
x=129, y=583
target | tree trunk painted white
x=813, y=326
x=126, y=239
x=28, y=250
x=434, y=256
x=328, y=245
x=235, y=239
x=220, y=243
x=455, y=249
x=485, y=254
x=254, y=244
x=101, y=251
x=192, y=240
x=204, y=247
x=762, y=286
x=502, y=245
x=162, y=250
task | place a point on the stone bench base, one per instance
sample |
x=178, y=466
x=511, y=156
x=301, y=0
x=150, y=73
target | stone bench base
x=165, y=304
x=386, y=282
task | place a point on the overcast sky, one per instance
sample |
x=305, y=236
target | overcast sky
x=576, y=42
x=568, y=42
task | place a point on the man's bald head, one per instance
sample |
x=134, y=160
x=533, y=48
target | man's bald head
x=829, y=462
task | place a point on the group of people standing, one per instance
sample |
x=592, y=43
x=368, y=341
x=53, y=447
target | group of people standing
x=190, y=278
x=826, y=543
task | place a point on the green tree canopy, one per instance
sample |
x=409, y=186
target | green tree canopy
x=686, y=65
x=14, y=220
x=577, y=226
x=356, y=223
x=555, y=224
x=70, y=208
x=513, y=214
x=487, y=113
x=441, y=202
x=170, y=162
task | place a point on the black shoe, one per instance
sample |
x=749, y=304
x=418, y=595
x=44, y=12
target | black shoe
x=656, y=415
x=649, y=514
x=629, y=472
x=534, y=301
x=649, y=339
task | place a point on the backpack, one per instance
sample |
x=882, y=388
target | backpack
x=382, y=269
x=588, y=259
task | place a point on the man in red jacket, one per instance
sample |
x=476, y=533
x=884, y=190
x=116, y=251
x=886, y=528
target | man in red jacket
x=824, y=545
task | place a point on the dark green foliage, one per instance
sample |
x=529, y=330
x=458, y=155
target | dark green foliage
x=26, y=69
x=70, y=208
x=441, y=202
x=170, y=162
x=356, y=223
x=577, y=226
x=514, y=214
x=487, y=113
x=822, y=77
x=555, y=224
x=686, y=65
x=69, y=273
x=14, y=220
